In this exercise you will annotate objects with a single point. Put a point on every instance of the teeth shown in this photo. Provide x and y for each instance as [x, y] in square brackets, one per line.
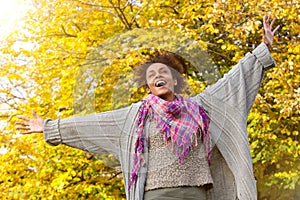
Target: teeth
[160, 83]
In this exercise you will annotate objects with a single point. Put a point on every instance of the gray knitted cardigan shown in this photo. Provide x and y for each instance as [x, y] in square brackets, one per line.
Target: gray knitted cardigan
[227, 102]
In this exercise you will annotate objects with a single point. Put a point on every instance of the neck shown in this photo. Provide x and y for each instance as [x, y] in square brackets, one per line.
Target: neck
[168, 97]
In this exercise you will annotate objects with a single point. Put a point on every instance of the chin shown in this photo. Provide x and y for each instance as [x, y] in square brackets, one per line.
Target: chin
[164, 93]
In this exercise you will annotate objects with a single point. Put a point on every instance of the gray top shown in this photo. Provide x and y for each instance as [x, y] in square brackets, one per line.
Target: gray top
[164, 170]
[227, 102]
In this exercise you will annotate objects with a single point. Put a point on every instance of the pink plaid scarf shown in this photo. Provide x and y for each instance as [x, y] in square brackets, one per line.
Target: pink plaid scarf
[181, 121]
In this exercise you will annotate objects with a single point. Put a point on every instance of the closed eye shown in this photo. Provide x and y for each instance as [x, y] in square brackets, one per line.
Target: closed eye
[163, 70]
[150, 75]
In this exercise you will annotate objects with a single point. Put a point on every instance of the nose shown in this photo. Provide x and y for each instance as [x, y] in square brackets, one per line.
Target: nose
[158, 76]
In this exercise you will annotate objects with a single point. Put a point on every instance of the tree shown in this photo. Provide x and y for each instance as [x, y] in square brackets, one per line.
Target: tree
[61, 36]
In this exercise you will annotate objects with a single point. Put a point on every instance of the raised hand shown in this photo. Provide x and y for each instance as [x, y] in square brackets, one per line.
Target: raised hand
[31, 125]
[268, 33]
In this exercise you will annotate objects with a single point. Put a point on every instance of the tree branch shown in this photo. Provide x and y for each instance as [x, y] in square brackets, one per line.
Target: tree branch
[65, 32]
[121, 15]
[133, 20]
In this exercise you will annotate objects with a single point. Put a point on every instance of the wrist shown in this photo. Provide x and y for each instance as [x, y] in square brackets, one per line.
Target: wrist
[268, 45]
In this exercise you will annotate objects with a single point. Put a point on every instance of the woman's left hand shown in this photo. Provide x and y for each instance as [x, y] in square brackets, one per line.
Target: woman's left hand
[268, 34]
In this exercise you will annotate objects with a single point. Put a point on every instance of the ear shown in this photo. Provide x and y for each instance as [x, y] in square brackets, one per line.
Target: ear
[148, 90]
[175, 82]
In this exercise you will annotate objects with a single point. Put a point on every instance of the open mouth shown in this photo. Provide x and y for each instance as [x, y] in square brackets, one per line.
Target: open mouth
[160, 83]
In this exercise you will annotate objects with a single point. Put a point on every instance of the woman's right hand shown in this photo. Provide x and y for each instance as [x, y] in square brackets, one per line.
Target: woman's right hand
[31, 125]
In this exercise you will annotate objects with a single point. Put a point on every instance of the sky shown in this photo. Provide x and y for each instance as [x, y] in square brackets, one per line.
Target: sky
[11, 13]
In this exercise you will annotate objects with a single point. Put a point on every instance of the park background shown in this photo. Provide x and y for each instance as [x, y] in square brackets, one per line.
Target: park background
[43, 51]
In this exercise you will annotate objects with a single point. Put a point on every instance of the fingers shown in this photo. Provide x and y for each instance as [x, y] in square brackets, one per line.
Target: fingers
[30, 125]
[276, 29]
[266, 21]
[22, 123]
[269, 17]
[265, 24]
[24, 118]
[22, 128]
[25, 133]
[268, 25]
[272, 23]
[27, 118]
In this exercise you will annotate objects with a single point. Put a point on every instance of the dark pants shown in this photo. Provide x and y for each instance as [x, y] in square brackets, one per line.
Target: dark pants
[178, 193]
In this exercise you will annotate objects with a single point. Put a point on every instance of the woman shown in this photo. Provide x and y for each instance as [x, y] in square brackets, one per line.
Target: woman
[164, 142]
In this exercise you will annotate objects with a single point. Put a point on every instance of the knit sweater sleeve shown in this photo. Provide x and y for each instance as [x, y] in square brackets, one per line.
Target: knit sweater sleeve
[239, 87]
[96, 133]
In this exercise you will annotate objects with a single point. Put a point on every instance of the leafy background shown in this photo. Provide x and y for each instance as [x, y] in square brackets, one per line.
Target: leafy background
[41, 59]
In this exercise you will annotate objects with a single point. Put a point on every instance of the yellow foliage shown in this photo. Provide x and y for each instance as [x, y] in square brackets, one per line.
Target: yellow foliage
[62, 35]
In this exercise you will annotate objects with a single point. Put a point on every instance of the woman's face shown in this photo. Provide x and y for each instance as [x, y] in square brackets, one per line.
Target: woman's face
[160, 81]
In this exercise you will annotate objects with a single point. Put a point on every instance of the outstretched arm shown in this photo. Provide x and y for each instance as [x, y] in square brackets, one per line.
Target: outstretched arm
[97, 133]
[239, 87]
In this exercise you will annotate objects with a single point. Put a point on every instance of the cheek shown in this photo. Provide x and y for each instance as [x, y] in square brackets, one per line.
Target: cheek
[150, 83]
[150, 86]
